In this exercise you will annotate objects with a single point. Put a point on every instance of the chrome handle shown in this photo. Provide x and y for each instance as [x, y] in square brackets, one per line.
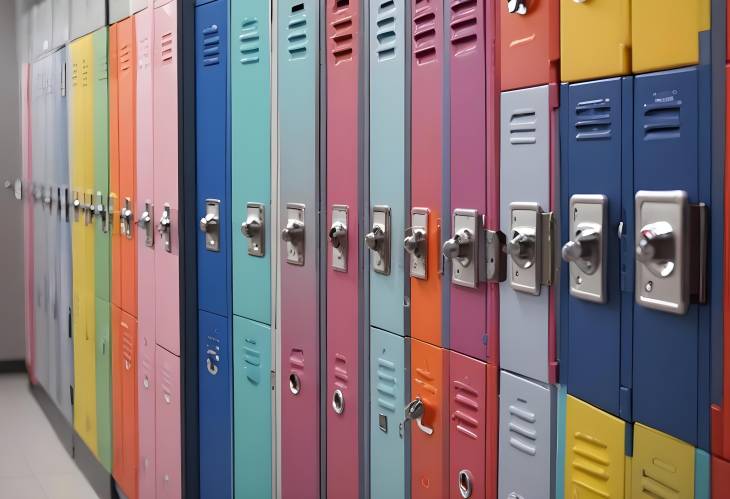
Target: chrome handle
[374, 239]
[584, 250]
[337, 234]
[293, 232]
[457, 246]
[251, 227]
[656, 248]
[208, 223]
[517, 7]
[415, 242]
[522, 248]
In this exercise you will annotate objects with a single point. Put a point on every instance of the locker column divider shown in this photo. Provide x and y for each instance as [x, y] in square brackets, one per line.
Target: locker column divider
[276, 247]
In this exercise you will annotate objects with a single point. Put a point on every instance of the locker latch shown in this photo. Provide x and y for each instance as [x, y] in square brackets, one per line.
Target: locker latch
[496, 262]
[338, 401]
[88, 208]
[76, 205]
[338, 238]
[47, 197]
[517, 7]
[464, 249]
[378, 240]
[100, 210]
[253, 228]
[293, 234]
[415, 411]
[671, 251]
[145, 223]
[465, 481]
[586, 250]
[211, 361]
[529, 245]
[210, 225]
[416, 243]
[125, 216]
[164, 228]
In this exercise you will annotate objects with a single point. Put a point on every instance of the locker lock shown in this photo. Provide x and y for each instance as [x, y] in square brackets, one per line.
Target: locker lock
[338, 401]
[145, 222]
[464, 248]
[459, 246]
[253, 228]
[212, 361]
[530, 247]
[657, 248]
[415, 411]
[164, 227]
[125, 216]
[466, 483]
[378, 240]
[586, 251]
[338, 237]
[102, 212]
[295, 384]
[522, 246]
[517, 7]
[338, 234]
[416, 242]
[294, 231]
[210, 226]
[293, 234]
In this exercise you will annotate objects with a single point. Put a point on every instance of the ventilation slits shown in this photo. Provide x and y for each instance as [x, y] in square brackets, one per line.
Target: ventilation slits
[522, 127]
[424, 34]
[102, 68]
[125, 58]
[127, 347]
[385, 33]
[464, 30]
[252, 361]
[342, 38]
[211, 45]
[297, 36]
[84, 73]
[522, 433]
[591, 464]
[250, 41]
[426, 381]
[166, 47]
[340, 371]
[593, 120]
[74, 74]
[143, 53]
[662, 120]
[466, 412]
[386, 385]
[652, 485]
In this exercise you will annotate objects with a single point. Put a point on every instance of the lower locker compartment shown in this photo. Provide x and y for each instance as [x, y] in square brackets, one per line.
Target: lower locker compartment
[430, 435]
[214, 368]
[527, 438]
[168, 456]
[252, 431]
[388, 434]
[662, 466]
[720, 478]
[85, 407]
[146, 397]
[103, 383]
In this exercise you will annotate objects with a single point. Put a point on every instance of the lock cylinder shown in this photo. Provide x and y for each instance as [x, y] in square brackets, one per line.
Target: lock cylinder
[586, 250]
[338, 401]
[657, 248]
[517, 7]
[338, 234]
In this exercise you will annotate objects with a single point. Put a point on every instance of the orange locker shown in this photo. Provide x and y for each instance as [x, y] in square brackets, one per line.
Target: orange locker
[529, 43]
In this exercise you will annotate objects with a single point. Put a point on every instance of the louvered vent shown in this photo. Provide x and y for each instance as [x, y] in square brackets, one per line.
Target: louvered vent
[593, 120]
[143, 54]
[342, 27]
[591, 470]
[166, 47]
[297, 36]
[466, 410]
[252, 361]
[522, 127]
[660, 480]
[424, 32]
[102, 68]
[74, 74]
[250, 41]
[211, 45]
[127, 347]
[341, 376]
[386, 385]
[426, 381]
[522, 433]
[464, 32]
[661, 120]
[84, 73]
[125, 58]
[386, 35]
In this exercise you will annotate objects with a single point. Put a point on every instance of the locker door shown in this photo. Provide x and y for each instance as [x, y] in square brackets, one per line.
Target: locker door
[661, 465]
[595, 39]
[530, 43]
[118, 465]
[128, 336]
[527, 322]
[127, 74]
[427, 150]
[86, 16]
[389, 436]
[430, 435]
[721, 373]
[60, 22]
[145, 254]
[389, 163]
[671, 351]
[167, 425]
[251, 159]
[104, 382]
[252, 407]
[299, 174]
[167, 278]
[668, 34]
[526, 437]
[468, 328]
[595, 452]
[597, 123]
[468, 401]
[115, 210]
[216, 438]
[344, 334]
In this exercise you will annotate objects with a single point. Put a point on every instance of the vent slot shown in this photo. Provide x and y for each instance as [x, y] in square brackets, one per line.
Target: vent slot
[342, 37]
[653, 486]
[250, 41]
[297, 36]
[74, 74]
[593, 120]
[127, 346]
[340, 371]
[464, 29]
[426, 381]
[166, 47]
[341, 4]
[143, 53]
[252, 361]
[522, 127]
[591, 464]
[466, 414]
[522, 433]
[125, 58]
[662, 121]
[385, 33]
[102, 68]
[386, 385]
[211, 45]
[424, 35]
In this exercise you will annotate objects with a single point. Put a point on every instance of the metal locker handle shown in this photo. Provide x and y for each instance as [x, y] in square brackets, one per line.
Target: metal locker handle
[415, 411]
[522, 247]
[251, 227]
[293, 232]
[338, 401]
[466, 483]
[517, 7]
[458, 246]
[337, 234]
[657, 248]
[584, 250]
[415, 243]
[208, 223]
[295, 384]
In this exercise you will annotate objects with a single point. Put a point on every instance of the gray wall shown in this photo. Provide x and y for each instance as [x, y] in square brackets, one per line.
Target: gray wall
[12, 339]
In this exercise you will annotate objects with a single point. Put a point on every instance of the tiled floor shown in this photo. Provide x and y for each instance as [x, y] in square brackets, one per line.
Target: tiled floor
[33, 463]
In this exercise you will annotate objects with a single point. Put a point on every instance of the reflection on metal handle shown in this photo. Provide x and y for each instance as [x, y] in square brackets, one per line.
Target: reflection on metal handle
[584, 250]
[517, 7]
[415, 241]
[338, 402]
[522, 248]
[293, 231]
[208, 223]
[251, 227]
[337, 234]
[656, 248]
[374, 239]
[295, 384]
[466, 481]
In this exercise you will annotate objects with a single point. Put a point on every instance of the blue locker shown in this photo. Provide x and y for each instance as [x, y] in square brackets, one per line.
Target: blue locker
[389, 437]
[672, 351]
[214, 265]
[597, 154]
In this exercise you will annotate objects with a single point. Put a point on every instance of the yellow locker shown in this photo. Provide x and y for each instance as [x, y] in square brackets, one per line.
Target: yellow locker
[665, 33]
[662, 466]
[595, 39]
[595, 453]
[80, 162]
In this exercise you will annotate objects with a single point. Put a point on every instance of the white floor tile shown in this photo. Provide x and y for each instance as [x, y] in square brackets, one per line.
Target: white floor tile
[22, 488]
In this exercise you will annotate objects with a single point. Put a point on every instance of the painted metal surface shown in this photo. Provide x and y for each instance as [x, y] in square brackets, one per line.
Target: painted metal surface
[595, 39]
[721, 416]
[41, 25]
[167, 425]
[430, 478]
[526, 437]
[389, 436]
[389, 157]
[667, 35]
[298, 103]
[597, 129]
[661, 465]
[26, 158]
[252, 406]
[86, 16]
[671, 352]
[60, 22]
[427, 159]
[528, 147]
[530, 43]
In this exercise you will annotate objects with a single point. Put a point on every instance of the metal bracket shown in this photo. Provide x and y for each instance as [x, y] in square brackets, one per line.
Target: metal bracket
[585, 252]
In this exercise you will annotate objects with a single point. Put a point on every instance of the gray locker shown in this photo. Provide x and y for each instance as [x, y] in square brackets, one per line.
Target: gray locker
[526, 346]
[60, 22]
[86, 16]
[41, 28]
[527, 438]
[119, 9]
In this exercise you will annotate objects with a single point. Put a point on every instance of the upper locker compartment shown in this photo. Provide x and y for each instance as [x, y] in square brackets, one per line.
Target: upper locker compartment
[41, 25]
[530, 44]
[60, 22]
[595, 39]
[667, 33]
[86, 16]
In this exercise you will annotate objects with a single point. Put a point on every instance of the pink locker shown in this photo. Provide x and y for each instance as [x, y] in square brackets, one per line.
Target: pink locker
[167, 285]
[167, 426]
[145, 258]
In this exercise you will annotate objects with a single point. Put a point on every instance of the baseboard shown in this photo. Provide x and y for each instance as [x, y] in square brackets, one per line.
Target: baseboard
[12, 366]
